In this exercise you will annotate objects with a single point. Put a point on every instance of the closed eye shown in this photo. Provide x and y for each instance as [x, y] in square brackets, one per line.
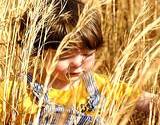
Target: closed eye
[71, 54]
[89, 53]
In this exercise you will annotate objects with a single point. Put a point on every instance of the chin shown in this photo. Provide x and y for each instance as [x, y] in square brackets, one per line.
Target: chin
[75, 78]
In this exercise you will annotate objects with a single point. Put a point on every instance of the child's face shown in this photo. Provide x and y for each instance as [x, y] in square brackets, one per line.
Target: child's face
[73, 63]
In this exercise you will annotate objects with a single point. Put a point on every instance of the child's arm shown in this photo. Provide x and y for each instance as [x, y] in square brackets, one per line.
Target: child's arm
[143, 103]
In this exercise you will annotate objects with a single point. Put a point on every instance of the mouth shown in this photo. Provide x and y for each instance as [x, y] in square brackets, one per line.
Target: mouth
[74, 74]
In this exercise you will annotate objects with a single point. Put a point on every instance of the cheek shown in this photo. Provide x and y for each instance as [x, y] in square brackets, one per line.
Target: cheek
[61, 67]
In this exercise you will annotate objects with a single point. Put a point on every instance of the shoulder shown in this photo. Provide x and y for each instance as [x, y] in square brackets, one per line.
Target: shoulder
[7, 87]
[101, 78]
[11, 85]
[102, 81]
[120, 89]
[10, 90]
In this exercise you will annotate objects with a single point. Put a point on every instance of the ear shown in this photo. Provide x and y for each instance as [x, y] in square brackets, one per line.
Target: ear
[48, 57]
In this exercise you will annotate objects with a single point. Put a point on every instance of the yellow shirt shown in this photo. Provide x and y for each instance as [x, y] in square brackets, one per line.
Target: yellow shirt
[77, 95]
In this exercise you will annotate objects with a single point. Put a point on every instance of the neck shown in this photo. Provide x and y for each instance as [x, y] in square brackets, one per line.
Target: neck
[53, 83]
[59, 84]
[56, 83]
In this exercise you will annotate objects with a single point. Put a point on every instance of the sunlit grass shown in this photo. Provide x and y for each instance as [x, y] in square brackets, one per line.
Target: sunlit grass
[130, 54]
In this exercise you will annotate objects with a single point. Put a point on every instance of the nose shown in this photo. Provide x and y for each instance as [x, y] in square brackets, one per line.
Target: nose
[76, 61]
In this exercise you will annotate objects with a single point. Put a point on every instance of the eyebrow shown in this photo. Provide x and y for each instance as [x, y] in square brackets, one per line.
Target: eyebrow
[69, 53]
[51, 44]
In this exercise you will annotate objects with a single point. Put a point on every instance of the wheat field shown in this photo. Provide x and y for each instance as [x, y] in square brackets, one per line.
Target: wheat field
[130, 54]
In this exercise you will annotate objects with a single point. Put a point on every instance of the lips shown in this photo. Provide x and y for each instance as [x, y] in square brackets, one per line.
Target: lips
[74, 74]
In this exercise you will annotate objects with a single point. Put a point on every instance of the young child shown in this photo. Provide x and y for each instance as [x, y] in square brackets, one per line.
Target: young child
[73, 92]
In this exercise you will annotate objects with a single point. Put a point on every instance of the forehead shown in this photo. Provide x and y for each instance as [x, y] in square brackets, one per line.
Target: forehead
[67, 53]
[77, 50]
